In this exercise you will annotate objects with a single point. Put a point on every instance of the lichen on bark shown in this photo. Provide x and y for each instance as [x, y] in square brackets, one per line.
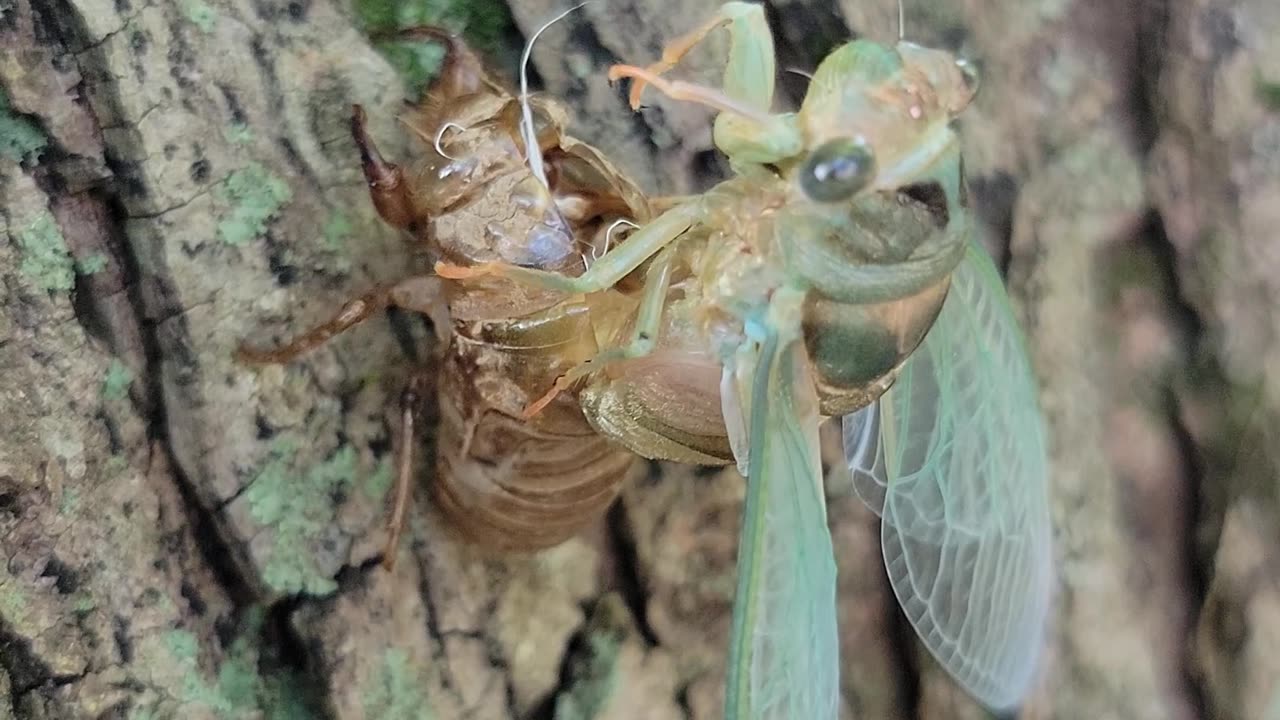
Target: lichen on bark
[187, 537]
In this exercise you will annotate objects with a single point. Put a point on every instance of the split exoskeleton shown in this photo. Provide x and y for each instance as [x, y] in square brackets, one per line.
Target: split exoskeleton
[504, 481]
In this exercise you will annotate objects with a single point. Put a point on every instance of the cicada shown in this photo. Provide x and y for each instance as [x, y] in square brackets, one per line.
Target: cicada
[812, 307]
[498, 179]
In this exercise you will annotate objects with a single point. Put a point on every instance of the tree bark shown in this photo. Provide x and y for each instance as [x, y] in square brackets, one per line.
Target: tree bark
[185, 537]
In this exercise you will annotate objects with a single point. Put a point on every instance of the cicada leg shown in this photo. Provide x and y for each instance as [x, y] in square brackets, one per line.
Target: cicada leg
[391, 195]
[605, 272]
[749, 75]
[745, 129]
[410, 402]
[644, 336]
[419, 294]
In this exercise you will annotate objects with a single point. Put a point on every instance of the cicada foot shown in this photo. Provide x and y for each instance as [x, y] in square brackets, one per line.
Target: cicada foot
[674, 51]
[686, 92]
[390, 193]
[450, 271]
[410, 405]
[528, 276]
[562, 383]
[418, 294]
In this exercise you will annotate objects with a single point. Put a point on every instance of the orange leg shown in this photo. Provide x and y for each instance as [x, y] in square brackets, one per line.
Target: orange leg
[673, 52]
[410, 402]
[688, 92]
[420, 294]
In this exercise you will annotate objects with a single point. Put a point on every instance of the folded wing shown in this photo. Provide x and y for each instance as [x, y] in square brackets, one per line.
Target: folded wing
[784, 656]
[953, 459]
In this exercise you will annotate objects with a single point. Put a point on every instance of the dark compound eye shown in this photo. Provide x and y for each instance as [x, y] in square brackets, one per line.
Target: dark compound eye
[970, 74]
[837, 170]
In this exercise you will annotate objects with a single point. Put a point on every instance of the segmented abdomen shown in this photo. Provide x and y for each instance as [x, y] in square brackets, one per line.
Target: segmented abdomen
[505, 482]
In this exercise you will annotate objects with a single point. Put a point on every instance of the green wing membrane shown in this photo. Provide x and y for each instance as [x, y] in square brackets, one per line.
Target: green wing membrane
[784, 658]
[953, 459]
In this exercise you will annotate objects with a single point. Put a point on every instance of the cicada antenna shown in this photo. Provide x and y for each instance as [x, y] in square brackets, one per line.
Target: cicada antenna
[526, 113]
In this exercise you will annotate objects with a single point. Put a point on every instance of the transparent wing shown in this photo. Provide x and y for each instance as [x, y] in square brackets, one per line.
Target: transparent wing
[784, 659]
[959, 477]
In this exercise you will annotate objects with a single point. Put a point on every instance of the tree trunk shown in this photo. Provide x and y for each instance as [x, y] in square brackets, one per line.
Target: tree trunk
[185, 537]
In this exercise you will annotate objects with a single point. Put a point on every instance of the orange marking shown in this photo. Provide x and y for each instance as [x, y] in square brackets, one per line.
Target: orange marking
[450, 271]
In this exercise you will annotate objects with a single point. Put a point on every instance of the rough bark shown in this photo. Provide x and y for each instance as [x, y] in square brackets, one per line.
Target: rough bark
[184, 537]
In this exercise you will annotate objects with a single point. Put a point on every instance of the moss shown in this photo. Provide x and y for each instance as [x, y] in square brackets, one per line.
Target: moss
[238, 134]
[45, 258]
[1268, 93]
[200, 15]
[395, 694]
[299, 508]
[337, 229]
[255, 196]
[242, 688]
[115, 386]
[595, 679]
[69, 503]
[593, 669]
[14, 607]
[91, 265]
[376, 486]
[21, 139]
[484, 23]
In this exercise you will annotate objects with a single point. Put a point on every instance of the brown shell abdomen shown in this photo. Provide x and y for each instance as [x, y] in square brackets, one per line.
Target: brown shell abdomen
[507, 483]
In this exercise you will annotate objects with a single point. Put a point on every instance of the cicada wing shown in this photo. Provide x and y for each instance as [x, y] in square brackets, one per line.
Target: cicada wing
[784, 659]
[962, 470]
[865, 454]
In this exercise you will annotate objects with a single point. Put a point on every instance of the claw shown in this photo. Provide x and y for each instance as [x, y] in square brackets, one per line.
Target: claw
[450, 271]
[562, 383]
[683, 91]
[387, 188]
[640, 79]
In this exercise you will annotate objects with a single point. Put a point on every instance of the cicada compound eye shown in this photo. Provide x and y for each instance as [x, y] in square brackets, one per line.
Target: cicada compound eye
[837, 170]
[969, 73]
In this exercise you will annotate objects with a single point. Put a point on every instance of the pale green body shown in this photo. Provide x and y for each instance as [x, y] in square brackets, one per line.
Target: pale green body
[952, 456]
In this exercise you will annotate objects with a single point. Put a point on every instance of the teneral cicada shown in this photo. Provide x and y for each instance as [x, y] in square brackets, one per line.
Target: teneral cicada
[819, 293]
[506, 482]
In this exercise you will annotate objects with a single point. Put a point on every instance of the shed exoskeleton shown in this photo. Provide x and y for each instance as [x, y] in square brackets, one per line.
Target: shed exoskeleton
[471, 196]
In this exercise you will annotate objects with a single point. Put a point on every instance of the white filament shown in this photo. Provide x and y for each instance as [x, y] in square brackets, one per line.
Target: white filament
[526, 119]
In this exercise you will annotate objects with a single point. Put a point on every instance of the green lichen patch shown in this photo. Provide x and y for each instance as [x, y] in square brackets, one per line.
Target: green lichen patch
[45, 258]
[243, 685]
[91, 264]
[299, 507]
[484, 23]
[115, 385]
[1268, 94]
[200, 15]
[395, 693]
[337, 229]
[21, 139]
[593, 669]
[377, 485]
[238, 134]
[255, 196]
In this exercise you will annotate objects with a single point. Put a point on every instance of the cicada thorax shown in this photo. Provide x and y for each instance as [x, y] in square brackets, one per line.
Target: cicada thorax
[506, 482]
[857, 348]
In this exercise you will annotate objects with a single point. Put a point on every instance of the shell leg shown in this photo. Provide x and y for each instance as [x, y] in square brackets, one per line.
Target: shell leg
[643, 338]
[390, 193]
[422, 294]
[410, 405]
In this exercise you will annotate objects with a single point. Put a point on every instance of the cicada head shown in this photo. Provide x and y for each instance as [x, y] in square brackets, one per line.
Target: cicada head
[879, 117]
